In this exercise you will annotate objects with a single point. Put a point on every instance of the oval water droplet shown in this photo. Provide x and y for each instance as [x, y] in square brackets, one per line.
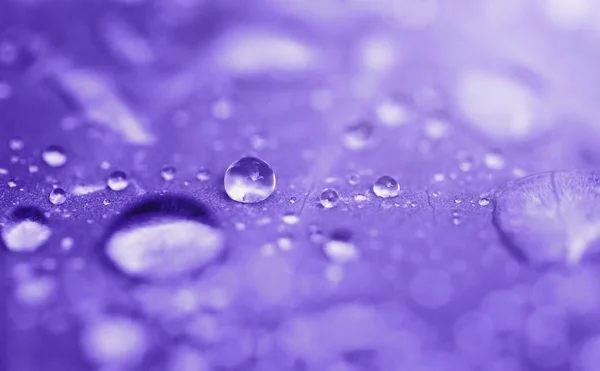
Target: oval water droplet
[329, 198]
[551, 218]
[16, 144]
[290, 218]
[164, 238]
[203, 175]
[117, 181]
[340, 249]
[58, 196]
[168, 173]
[249, 180]
[358, 136]
[386, 187]
[54, 156]
[26, 230]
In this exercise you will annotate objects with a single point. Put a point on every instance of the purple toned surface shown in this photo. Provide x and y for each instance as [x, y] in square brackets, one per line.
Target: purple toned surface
[454, 101]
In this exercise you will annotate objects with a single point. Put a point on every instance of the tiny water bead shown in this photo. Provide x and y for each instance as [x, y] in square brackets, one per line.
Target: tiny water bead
[203, 175]
[386, 187]
[54, 156]
[551, 218]
[117, 181]
[16, 144]
[58, 196]
[249, 180]
[329, 198]
[164, 238]
[168, 173]
[357, 136]
[26, 230]
[290, 218]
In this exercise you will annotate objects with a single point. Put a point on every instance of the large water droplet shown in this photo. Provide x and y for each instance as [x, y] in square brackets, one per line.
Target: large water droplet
[58, 196]
[164, 238]
[26, 230]
[329, 198]
[54, 156]
[117, 181]
[249, 180]
[358, 136]
[551, 218]
[386, 187]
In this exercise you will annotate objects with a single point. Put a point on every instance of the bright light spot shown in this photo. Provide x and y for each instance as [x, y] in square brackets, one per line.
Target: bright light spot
[571, 14]
[114, 340]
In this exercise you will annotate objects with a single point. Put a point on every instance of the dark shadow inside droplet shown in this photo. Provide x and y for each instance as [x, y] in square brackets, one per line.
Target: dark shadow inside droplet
[28, 213]
[341, 234]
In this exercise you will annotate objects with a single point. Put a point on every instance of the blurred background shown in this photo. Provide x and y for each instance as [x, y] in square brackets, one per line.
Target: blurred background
[122, 251]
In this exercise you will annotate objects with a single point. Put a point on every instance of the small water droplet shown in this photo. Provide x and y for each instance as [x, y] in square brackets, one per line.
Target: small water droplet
[483, 202]
[12, 183]
[54, 156]
[106, 202]
[168, 173]
[105, 165]
[494, 161]
[391, 112]
[339, 249]
[386, 187]
[67, 243]
[329, 198]
[458, 201]
[3, 171]
[358, 136]
[117, 181]
[293, 199]
[249, 180]
[16, 144]
[360, 197]
[26, 230]
[353, 179]
[164, 238]
[436, 128]
[33, 169]
[290, 218]
[58, 196]
[285, 243]
[203, 175]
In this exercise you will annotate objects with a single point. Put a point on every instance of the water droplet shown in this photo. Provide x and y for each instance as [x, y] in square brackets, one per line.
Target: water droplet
[58, 196]
[168, 173]
[26, 231]
[339, 249]
[3, 171]
[360, 197]
[105, 165]
[164, 238]
[386, 187]
[329, 198]
[285, 243]
[293, 199]
[54, 156]
[353, 179]
[290, 218]
[358, 136]
[249, 180]
[203, 175]
[16, 144]
[106, 202]
[484, 202]
[117, 181]
[67, 243]
[12, 183]
[551, 218]
[392, 113]
[436, 128]
[33, 169]
[494, 161]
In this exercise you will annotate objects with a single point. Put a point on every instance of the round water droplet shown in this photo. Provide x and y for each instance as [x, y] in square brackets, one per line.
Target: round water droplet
[483, 202]
[117, 181]
[26, 230]
[16, 144]
[358, 136]
[551, 218]
[392, 112]
[168, 173]
[494, 161]
[353, 179]
[339, 249]
[203, 175]
[329, 198]
[290, 218]
[58, 196]
[12, 183]
[54, 156]
[249, 180]
[386, 187]
[164, 238]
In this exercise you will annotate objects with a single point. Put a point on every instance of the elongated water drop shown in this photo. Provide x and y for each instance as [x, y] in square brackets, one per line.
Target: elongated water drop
[249, 180]
[26, 230]
[164, 238]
